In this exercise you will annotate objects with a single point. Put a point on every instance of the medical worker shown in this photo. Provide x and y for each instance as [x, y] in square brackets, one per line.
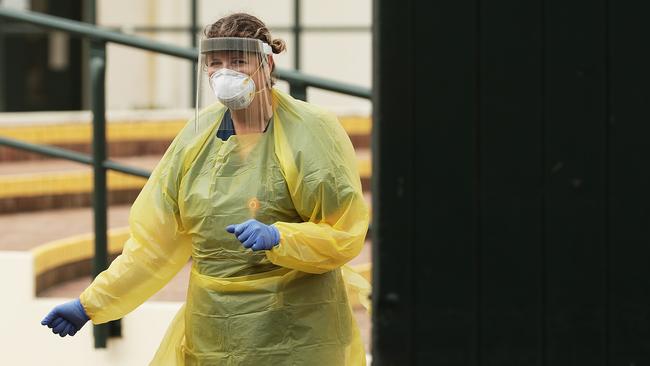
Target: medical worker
[261, 191]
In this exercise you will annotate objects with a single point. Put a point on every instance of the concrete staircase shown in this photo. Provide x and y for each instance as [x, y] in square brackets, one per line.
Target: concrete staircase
[31, 182]
[45, 203]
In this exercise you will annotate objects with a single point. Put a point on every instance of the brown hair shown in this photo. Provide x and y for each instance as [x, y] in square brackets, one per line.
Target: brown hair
[244, 25]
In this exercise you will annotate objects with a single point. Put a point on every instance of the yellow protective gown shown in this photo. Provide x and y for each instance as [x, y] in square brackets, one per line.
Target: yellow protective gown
[285, 306]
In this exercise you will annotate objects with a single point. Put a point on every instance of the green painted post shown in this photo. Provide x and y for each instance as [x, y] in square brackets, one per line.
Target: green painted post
[89, 15]
[297, 29]
[100, 260]
[2, 67]
[194, 13]
[90, 12]
[298, 90]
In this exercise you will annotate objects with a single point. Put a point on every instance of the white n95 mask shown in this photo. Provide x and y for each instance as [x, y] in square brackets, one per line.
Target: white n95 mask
[233, 89]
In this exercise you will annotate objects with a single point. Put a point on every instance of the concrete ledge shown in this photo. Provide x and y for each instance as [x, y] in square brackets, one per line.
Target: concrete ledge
[142, 329]
[116, 149]
[56, 183]
[74, 249]
[65, 131]
[69, 258]
[22, 204]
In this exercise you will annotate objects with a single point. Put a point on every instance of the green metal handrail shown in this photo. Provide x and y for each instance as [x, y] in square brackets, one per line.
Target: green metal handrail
[103, 35]
[98, 37]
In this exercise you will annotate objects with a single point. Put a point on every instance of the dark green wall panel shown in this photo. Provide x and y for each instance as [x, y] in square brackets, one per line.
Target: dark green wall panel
[511, 185]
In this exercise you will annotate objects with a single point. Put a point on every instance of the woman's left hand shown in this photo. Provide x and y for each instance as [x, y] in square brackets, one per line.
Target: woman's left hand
[255, 235]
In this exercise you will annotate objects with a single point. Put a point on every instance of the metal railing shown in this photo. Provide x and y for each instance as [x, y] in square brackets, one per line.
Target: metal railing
[98, 39]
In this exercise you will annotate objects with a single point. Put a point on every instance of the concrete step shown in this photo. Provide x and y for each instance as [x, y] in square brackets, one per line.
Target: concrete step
[38, 167]
[129, 133]
[26, 231]
[52, 184]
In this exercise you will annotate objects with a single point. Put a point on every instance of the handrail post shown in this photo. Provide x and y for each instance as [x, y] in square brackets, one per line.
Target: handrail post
[298, 90]
[100, 260]
[194, 13]
[89, 16]
[297, 30]
[2, 67]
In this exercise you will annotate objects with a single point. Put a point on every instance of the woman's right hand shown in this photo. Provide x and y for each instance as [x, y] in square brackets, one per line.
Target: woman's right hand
[66, 319]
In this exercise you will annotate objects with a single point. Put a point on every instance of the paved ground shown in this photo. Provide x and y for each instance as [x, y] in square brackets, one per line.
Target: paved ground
[25, 231]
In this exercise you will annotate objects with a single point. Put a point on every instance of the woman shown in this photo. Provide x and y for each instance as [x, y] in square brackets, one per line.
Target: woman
[262, 192]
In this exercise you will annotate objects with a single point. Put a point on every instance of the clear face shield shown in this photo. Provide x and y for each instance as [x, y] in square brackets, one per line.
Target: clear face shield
[235, 72]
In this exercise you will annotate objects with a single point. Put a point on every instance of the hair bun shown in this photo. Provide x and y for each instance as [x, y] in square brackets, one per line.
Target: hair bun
[278, 45]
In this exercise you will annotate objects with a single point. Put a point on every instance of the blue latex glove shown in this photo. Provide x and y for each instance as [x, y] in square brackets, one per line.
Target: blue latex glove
[66, 319]
[255, 235]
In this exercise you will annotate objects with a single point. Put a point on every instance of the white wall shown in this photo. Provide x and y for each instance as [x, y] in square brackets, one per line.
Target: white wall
[345, 57]
[137, 79]
[24, 341]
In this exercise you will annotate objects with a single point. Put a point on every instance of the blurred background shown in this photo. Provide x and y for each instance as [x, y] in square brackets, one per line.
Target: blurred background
[49, 95]
[44, 69]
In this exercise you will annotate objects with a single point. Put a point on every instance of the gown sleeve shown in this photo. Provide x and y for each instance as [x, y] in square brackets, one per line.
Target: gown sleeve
[158, 246]
[319, 165]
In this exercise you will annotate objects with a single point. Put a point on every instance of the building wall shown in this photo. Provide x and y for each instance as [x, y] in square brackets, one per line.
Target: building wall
[27, 342]
[138, 79]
